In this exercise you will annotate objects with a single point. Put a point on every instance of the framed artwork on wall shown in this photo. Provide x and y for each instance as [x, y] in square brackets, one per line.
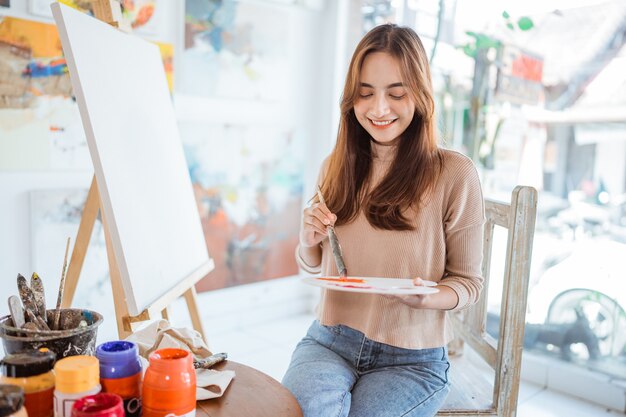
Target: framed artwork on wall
[248, 183]
[245, 155]
[236, 50]
[54, 216]
[40, 126]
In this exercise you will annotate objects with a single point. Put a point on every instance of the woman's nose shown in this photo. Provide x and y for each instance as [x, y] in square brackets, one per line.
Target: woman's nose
[381, 106]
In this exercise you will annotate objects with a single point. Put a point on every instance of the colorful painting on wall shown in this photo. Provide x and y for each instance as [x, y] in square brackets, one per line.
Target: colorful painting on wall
[249, 202]
[167, 54]
[55, 216]
[235, 49]
[140, 14]
[40, 125]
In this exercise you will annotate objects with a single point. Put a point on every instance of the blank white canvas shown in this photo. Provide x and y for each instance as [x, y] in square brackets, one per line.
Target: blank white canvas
[133, 139]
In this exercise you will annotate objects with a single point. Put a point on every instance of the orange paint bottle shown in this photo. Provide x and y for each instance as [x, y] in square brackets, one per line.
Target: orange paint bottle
[169, 385]
[32, 371]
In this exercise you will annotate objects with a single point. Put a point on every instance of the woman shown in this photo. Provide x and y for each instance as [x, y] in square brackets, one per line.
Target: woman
[401, 207]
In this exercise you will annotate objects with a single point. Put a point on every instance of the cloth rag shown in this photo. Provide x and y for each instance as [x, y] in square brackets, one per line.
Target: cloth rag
[160, 334]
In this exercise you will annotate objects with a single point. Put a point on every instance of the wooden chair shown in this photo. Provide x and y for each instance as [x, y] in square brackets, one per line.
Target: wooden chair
[473, 394]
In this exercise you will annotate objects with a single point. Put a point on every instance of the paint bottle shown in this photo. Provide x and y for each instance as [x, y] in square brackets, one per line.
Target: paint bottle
[33, 372]
[76, 377]
[120, 373]
[99, 405]
[12, 401]
[169, 385]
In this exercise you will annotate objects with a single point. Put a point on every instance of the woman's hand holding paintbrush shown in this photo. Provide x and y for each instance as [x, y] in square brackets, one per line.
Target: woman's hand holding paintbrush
[315, 219]
[317, 223]
[334, 241]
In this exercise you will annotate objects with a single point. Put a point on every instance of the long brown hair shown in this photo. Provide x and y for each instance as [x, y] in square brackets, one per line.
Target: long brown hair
[418, 160]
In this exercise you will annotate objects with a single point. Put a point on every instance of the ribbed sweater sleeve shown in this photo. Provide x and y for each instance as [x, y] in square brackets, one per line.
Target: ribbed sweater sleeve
[463, 224]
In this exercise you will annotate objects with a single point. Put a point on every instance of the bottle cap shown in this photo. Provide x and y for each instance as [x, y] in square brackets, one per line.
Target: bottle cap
[118, 359]
[99, 405]
[25, 364]
[76, 374]
[11, 399]
[171, 360]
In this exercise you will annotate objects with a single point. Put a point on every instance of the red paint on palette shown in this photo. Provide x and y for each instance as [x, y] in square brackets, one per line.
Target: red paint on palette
[352, 286]
[355, 280]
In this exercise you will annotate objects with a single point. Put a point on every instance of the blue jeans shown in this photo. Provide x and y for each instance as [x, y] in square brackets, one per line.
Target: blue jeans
[336, 371]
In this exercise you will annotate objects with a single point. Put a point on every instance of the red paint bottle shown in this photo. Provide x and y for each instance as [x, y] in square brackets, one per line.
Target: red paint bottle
[99, 405]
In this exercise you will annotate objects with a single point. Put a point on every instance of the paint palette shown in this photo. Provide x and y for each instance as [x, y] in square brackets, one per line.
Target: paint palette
[373, 285]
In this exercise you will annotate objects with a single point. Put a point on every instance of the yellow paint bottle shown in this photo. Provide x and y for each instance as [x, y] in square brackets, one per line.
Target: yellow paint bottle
[76, 377]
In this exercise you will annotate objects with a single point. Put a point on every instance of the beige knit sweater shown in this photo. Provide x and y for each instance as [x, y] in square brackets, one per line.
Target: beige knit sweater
[446, 246]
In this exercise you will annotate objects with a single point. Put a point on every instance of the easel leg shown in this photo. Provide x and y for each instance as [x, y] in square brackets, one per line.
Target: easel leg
[124, 321]
[191, 297]
[90, 213]
[116, 283]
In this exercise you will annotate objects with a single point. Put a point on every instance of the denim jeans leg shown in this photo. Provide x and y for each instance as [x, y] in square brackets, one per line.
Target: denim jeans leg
[320, 379]
[409, 390]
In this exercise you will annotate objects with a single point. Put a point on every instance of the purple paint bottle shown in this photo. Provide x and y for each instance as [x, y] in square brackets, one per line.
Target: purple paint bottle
[120, 373]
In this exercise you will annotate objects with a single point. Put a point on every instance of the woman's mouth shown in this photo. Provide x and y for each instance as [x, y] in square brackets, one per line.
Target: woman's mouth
[381, 124]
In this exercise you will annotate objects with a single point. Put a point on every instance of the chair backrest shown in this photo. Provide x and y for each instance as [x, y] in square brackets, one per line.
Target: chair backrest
[504, 356]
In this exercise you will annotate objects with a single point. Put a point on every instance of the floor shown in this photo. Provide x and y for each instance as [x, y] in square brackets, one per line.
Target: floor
[268, 348]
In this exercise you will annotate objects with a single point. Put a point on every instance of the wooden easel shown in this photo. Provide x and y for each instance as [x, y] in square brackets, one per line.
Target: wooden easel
[124, 320]
[108, 11]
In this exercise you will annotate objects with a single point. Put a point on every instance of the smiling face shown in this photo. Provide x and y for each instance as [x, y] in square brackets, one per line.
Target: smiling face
[383, 106]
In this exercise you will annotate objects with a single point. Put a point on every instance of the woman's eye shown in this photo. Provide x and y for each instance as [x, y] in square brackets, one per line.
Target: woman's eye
[365, 95]
[397, 97]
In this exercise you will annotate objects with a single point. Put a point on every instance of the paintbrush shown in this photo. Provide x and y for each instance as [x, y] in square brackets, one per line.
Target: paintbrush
[206, 363]
[35, 319]
[17, 311]
[36, 285]
[26, 294]
[334, 243]
[57, 311]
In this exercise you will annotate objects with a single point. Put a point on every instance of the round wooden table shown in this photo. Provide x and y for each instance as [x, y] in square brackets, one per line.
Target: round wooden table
[250, 394]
